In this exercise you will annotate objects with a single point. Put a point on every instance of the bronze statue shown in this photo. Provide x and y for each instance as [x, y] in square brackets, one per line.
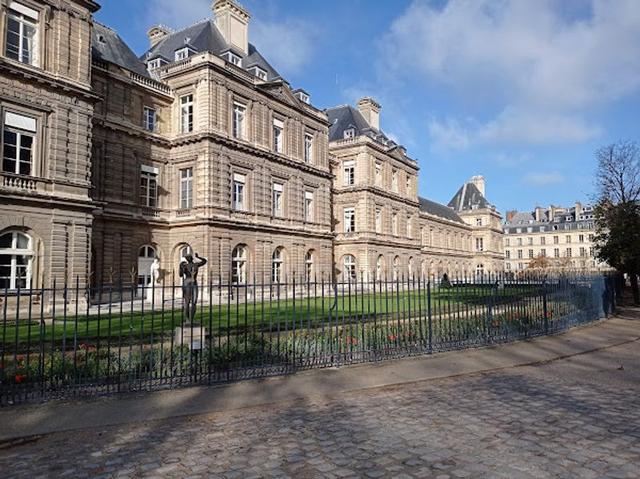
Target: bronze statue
[189, 275]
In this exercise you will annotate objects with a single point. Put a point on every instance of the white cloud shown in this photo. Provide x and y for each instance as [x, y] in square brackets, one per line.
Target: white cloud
[287, 44]
[543, 179]
[511, 127]
[538, 69]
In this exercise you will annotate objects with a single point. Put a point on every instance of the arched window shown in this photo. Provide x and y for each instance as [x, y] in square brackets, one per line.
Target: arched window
[308, 265]
[16, 258]
[239, 265]
[277, 260]
[350, 268]
[379, 267]
[480, 270]
[185, 250]
[396, 268]
[146, 255]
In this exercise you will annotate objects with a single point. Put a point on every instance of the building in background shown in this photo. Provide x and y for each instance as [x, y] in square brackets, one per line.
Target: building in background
[485, 222]
[564, 236]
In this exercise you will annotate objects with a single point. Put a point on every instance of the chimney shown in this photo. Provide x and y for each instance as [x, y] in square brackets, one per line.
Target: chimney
[510, 215]
[539, 213]
[578, 210]
[157, 33]
[370, 110]
[479, 182]
[232, 20]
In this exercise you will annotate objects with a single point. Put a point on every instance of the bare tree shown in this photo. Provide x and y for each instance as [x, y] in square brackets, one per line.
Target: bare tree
[618, 174]
[617, 211]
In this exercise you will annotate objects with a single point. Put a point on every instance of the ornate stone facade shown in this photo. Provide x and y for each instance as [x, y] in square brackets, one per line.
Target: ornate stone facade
[46, 105]
[197, 146]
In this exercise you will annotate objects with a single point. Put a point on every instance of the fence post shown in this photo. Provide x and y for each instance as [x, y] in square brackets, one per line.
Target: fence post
[429, 320]
[544, 306]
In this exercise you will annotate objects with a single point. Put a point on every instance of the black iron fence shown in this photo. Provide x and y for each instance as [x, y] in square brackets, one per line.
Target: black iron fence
[68, 341]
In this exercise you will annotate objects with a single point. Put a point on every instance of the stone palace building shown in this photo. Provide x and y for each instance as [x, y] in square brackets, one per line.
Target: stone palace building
[110, 159]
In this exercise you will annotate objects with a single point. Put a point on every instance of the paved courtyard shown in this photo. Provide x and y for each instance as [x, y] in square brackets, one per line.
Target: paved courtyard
[578, 418]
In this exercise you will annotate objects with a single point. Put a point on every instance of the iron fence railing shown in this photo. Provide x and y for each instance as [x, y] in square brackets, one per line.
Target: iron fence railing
[68, 341]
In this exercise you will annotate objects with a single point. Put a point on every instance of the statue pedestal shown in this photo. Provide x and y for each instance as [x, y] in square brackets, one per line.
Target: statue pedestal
[192, 336]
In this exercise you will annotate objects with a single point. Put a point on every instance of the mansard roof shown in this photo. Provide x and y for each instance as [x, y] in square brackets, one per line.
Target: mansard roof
[344, 117]
[437, 209]
[107, 46]
[205, 37]
[469, 197]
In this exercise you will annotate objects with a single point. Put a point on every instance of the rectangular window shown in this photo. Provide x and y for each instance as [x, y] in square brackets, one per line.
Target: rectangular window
[149, 187]
[408, 185]
[186, 188]
[478, 221]
[591, 238]
[308, 148]
[394, 224]
[583, 252]
[186, 113]
[378, 177]
[507, 242]
[530, 254]
[349, 220]
[507, 254]
[278, 126]
[519, 241]
[556, 240]
[234, 59]
[181, 54]
[543, 253]
[309, 206]
[378, 220]
[519, 254]
[581, 238]
[19, 134]
[349, 169]
[568, 238]
[568, 253]
[278, 189]
[530, 240]
[556, 252]
[239, 114]
[239, 182]
[149, 118]
[409, 227]
[479, 244]
[21, 33]
[394, 180]
[543, 240]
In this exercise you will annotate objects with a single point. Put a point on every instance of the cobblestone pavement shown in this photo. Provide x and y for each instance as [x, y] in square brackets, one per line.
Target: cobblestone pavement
[577, 418]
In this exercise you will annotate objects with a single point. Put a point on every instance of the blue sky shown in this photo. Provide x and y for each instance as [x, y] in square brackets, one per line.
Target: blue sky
[522, 92]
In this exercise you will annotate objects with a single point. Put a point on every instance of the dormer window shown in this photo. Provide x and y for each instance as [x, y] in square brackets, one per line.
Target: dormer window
[260, 73]
[303, 97]
[155, 64]
[182, 54]
[349, 133]
[233, 58]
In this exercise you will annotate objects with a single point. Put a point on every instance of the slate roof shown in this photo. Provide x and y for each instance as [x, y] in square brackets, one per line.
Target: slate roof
[344, 117]
[107, 46]
[564, 219]
[468, 197]
[205, 37]
[437, 209]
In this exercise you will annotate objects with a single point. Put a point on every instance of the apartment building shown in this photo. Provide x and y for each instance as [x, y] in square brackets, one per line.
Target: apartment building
[564, 235]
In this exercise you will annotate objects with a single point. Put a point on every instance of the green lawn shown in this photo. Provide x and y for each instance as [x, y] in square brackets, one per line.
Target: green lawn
[252, 315]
